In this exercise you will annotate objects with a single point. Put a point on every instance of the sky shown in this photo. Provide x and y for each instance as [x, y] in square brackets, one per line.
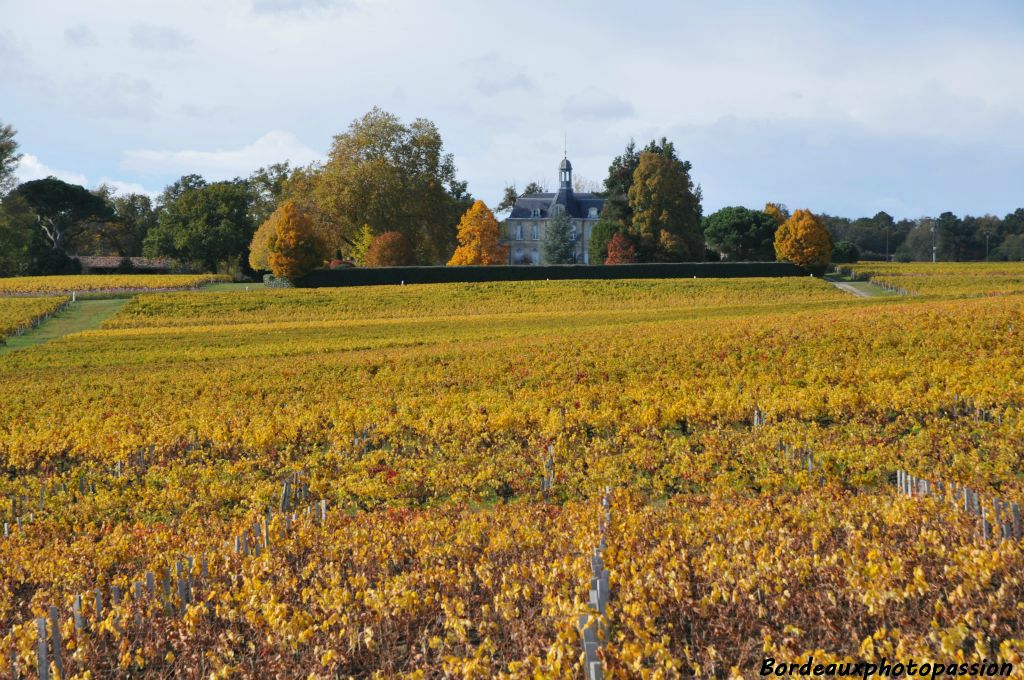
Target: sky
[841, 107]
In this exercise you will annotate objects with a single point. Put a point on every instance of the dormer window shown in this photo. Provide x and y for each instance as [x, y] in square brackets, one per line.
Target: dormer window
[535, 212]
[592, 213]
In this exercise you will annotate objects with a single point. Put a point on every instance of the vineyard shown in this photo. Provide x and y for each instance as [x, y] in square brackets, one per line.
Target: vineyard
[19, 314]
[628, 479]
[61, 285]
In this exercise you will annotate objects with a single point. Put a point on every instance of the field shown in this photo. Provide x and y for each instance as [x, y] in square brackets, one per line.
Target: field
[407, 481]
[107, 283]
[19, 314]
[947, 278]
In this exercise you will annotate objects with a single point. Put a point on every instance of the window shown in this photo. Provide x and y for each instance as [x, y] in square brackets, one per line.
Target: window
[535, 212]
[572, 233]
[519, 232]
[536, 232]
[592, 213]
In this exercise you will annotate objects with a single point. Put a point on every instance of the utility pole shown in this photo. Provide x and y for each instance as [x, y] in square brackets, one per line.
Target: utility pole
[933, 243]
[987, 234]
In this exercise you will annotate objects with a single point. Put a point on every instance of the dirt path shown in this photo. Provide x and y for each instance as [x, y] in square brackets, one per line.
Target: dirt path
[83, 315]
[858, 288]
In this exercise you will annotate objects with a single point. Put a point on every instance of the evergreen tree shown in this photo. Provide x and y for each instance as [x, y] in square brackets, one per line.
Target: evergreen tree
[559, 247]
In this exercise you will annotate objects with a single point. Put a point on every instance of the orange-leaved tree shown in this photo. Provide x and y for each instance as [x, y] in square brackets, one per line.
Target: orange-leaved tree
[804, 240]
[295, 247]
[390, 249]
[778, 211]
[621, 250]
[479, 236]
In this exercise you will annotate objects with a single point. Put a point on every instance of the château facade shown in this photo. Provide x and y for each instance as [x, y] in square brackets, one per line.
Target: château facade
[531, 215]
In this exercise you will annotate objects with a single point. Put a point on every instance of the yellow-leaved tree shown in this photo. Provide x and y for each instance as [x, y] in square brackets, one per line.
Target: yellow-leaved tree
[779, 212]
[295, 247]
[479, 236]
[804, 240]
[259, 247]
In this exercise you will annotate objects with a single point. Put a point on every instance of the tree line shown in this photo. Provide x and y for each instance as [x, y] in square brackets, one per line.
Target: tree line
[388, 194]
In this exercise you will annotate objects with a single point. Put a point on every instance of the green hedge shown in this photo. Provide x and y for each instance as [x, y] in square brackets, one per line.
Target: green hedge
[375, 276]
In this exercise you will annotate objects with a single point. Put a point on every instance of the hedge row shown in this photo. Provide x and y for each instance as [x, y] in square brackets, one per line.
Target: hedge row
[375, 276]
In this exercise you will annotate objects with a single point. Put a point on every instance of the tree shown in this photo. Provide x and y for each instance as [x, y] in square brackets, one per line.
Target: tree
[266, 189]
[508, 199]
[778, 211]
[666, 210]
[559, 246]
[617, 184]
[390, 249]
[205, 224]
[741, 234]
[479, 236]
[393, 177]
[63, 211]
[1012, 248]
[845, 252]
[295, 247]
[362, 244]
[17, 229]
[125, 233]
[601, 235]
[804, 241]
[9, 158]
[620, 250]
[259, 247]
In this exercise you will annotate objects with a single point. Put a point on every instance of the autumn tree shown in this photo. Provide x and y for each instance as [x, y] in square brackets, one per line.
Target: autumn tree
[621, 250]
[617, 208]
[740, 233]
[390, 249]
[666, 210]
[259, 247]
[778, 212]
[391, 176]
[479, 235]
[295, 249]
[803, 240]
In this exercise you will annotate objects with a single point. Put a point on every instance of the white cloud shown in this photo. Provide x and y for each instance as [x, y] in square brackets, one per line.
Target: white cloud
[274, 147]
[31, 168]
[123, 187]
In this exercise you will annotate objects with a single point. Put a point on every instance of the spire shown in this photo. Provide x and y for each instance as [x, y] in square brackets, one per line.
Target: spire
[565, 174]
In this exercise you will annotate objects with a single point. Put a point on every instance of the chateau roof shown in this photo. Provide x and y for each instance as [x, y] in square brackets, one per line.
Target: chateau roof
[575, 204]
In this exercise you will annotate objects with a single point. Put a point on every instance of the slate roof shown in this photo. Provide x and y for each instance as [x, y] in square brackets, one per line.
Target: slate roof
[576, 204]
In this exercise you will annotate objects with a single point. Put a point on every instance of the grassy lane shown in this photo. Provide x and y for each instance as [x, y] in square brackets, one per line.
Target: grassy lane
[83, 315]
